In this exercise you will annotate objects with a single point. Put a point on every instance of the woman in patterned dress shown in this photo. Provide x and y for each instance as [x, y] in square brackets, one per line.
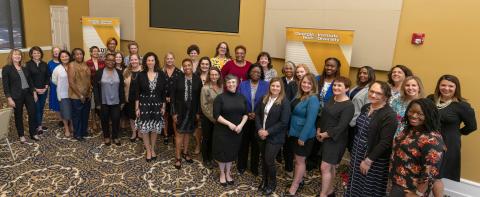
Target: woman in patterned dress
[417, 151]
[222, 55]
[150, 104]
[372, 144]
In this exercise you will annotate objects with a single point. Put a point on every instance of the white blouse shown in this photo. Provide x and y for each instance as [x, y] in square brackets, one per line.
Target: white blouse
[267, 109]
[60, 78]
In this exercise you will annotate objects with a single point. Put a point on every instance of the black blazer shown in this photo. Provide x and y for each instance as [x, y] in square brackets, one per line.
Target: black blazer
[142, 85]
[40, 74]
[178, 94]
[12, 84]
[97, 87]
[277, 121]
[291, 90]
[380, 132]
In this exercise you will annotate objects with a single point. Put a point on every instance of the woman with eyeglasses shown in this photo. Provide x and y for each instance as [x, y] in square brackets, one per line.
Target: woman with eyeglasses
[372, 144]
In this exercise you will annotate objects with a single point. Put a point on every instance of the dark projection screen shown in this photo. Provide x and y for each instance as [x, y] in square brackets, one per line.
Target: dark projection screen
[202, 15]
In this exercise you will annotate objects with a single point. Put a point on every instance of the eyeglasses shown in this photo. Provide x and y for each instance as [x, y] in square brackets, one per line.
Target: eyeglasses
[375, 93]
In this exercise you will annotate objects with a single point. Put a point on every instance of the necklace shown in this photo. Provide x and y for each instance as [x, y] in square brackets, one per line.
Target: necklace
[441, 105]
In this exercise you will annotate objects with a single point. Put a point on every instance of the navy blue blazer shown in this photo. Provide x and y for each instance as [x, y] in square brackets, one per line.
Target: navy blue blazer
[245, 90]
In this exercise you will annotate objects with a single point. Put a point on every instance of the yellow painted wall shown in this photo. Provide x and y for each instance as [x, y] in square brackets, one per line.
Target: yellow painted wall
[161, 41]
[76, 9]
[36, 20]
[451, 46]
[37, 27]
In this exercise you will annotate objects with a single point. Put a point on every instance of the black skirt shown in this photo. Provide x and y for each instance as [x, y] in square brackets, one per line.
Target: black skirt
[304, 150]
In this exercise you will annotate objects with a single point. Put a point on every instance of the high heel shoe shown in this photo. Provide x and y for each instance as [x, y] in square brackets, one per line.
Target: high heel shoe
[35, 138]
[301, 185]
[147, 159]
[287, 193]
[179, 161]
[165, 141]
[185, 155]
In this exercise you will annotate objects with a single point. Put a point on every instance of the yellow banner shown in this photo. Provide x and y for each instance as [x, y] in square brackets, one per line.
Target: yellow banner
[313, 46]
[97, 30]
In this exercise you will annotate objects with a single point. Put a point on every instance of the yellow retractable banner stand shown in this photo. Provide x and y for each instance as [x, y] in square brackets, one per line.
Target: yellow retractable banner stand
[313, 46]
[97, 30]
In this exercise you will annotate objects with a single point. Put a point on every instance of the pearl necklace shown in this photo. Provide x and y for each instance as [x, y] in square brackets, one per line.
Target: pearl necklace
[444, 104]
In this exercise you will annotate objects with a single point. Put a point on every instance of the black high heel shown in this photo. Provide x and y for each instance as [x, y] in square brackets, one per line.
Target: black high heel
[185, 155]
[165, 140]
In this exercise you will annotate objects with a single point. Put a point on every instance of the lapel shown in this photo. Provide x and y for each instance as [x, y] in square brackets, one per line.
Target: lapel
[248, 88]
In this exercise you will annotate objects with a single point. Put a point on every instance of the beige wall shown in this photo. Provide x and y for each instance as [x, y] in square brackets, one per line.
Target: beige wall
[451, 46]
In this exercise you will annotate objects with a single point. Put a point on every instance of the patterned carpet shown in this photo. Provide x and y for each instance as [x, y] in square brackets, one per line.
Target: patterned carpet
[63, 167]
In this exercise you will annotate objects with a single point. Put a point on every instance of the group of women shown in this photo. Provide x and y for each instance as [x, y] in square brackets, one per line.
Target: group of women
[239, 111]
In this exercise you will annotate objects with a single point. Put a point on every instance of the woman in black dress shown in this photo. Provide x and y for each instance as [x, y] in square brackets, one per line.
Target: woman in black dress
[186, 109]
[372, 144]
[171, 73]
[271, 121]
[130, 76]
[230, 112]
[150, 103]
[333, 132]
[454, 110]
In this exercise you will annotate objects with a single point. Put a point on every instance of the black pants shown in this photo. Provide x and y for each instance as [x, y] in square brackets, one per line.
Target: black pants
[269, 171]
[207, 135]
[110, 113]
[248, 140]
[25, 99]
[288, 154]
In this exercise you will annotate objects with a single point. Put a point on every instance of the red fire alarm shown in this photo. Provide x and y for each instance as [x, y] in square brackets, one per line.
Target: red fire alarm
[418, 38]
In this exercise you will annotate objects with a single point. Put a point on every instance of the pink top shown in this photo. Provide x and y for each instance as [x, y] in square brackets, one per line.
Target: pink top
[231, 68]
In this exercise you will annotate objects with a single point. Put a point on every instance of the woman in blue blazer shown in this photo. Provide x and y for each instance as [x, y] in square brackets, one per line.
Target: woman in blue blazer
[302, 132]
[271, 121]
[254, 88]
